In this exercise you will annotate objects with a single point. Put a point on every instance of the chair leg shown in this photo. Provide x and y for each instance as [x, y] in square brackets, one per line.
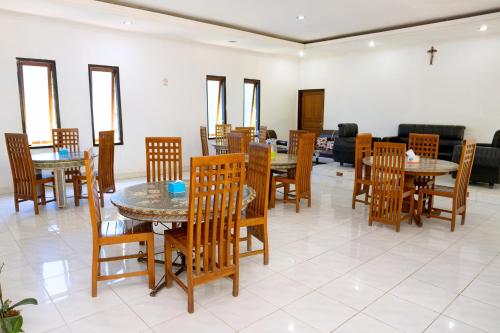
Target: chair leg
[420, 206]
[398, 226]
[151, 262]
[265, 244]
[95, 269]
[16, 204]
[463, 216]
[236, 284]
[101, 198]
[309, 199]
[249, 240]
[367, 194]
[354, 192]
[297, 202]
[412, 207]
[287, 190]
[272, 200]
[168, 263]
[190, 291]
[42, 194]
[76, 193]
[35, 201]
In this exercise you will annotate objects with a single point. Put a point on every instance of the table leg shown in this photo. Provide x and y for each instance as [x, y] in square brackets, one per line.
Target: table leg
[60, 189]
[410, 185]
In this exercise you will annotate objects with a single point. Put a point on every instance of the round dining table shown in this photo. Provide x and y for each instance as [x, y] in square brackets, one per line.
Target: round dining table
[58, 163]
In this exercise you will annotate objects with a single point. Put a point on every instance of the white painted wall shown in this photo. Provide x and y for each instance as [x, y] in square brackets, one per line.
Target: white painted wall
[148, 107]
[381, 88]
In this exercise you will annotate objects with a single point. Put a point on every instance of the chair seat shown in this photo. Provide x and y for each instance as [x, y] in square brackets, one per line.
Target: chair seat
[123, 227]
[281, 179]
[43, 179]
[439, 190]
[250, 218]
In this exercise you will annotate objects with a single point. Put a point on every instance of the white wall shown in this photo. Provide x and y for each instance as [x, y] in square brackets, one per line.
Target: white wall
[148, 107]
[381, 88]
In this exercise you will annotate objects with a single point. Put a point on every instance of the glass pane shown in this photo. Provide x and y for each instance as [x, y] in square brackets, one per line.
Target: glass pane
[250, 105]
[39, 118]
[214, 106]
[104, 104]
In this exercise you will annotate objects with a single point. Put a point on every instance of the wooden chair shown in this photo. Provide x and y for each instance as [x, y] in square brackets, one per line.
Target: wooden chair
[114, 232]
[236, 142]
[362, 173]
[106, 162]
[388, 185]
[255, 219]
[69, 138]
[210, 238]
[204, 140]
[457, 193]
[301, 177]
[27, 184]
[221, 131]
[248, 128]
[262, 134]
[293, 141]
[247, 136]
[163, 158]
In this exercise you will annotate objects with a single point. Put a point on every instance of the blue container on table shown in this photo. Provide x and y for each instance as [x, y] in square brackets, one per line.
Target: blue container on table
[64, 152]
[177, 187]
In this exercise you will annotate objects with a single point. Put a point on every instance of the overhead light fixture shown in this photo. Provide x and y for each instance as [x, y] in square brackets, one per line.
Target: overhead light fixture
[127, 22]
[371, 43]
[301, 53]
[300, 17]
[484, 27]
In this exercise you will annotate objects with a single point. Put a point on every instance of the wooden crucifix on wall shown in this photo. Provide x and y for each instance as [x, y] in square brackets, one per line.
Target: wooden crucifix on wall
[431, 52]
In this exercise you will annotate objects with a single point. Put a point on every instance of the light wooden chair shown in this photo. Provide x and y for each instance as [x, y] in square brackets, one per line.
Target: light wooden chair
[247, 136]
[69, 138]
[114, 232]
[235, 142]
[163, 158]
[301, 178]
[293, 141]
[211, 238]
[204, 140]
[248, 128]
[388, 185]
[262, 134]
[106, 162]
[27, 184]
[255, 219]
[362, 173]
[457, 193]
[221, 131]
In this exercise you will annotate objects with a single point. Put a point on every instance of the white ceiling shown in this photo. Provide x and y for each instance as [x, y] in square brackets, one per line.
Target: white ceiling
[323, 18]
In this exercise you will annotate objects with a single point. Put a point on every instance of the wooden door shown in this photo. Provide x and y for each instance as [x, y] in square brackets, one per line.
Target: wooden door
[311, 110]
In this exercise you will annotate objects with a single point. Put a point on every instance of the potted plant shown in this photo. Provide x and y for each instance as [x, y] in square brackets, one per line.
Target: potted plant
[11, 320]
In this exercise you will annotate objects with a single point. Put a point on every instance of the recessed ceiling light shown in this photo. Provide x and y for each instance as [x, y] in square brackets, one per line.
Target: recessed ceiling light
[127, 22]
[300, 17]
[371, 43]
[233, 41]
[484, 27]
[301, 53]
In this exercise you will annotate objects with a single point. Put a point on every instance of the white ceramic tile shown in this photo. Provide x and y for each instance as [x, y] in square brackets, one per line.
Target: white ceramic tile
[475, 313]
[279, 322]
[350, 292]
[118, 319]
[336, 262]
[201, 321]
[310, 274]
[41, 318]
[362, 323]
[446, 324]
[484, 292]
[278, 290]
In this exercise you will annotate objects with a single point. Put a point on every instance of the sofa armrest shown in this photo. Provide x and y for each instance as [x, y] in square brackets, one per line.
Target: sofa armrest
[390, 139]
[483, 144]
[281, 142]
[485, 156]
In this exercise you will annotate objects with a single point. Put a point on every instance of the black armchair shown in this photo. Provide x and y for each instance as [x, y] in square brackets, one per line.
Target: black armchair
[345, 144]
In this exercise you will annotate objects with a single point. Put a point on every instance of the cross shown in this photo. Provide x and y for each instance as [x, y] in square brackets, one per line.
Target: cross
[431, 52]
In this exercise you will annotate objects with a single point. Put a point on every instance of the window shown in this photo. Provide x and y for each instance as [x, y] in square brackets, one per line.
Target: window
[251, 103]
[38, 96]
[105, 101]
[216, 102]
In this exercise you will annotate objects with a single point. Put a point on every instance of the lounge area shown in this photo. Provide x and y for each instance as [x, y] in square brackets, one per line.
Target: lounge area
[185, 167]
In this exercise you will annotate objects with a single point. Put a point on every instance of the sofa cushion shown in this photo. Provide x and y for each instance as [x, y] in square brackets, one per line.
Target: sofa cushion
[451, 132]
[496, 140]
[321, 143]
[348, 130]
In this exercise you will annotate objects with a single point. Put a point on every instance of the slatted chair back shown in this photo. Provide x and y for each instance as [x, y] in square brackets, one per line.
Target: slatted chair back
[236, 142]
[388, 175]
[293, 141]
[248, 128]
[258, 177]
[304, 163]
[221, 131]
[21, 166]
[163, 158]
[363, 149]
[464, 172]
[262, 134]
[106, 161]
[424, 145]
[204, 140]
[215, 204]
[247, 136]
[93, 192]
[68, 138]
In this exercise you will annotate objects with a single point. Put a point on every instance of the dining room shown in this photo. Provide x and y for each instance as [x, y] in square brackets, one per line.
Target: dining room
[249, 167]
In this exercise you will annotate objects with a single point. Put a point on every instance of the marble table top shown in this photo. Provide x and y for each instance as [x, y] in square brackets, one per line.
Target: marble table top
[56, 160]
[426, 166]
[152, 202]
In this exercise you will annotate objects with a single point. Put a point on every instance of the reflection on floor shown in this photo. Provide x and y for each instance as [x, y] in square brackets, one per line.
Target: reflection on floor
[328, 272]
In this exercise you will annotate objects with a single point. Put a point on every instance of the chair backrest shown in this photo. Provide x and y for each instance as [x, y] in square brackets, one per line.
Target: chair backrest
[464, 172]
[293, 141]
[363, 149]
[221, 131]
[258, 177]
[163, 158]
[304, 162]
[68, 138]
[247, 136]
[215, 204]
[424, 145]
[262, 134]
[93, 192]
[249, 128]
[21, 165]
[106, 161]
[204, 140]
[236, 142]
[388, 176]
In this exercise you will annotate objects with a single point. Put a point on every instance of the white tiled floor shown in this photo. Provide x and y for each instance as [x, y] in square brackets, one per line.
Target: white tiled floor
[329, 271]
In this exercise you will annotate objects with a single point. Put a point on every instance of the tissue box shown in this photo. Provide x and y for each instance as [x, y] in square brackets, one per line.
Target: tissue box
[177, 187]
[64, 152]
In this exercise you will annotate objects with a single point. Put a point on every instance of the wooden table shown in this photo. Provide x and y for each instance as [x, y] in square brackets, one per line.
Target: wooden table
[58, 163]
[425, 167]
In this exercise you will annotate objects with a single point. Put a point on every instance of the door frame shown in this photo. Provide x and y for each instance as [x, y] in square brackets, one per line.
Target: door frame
[299, 113]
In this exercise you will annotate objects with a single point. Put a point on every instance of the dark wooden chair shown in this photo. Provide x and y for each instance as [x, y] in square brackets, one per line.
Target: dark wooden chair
[362, 173]
[114, 232]
[236, 142]
[163, 158]
[28, 186]
[293, 141]
[255, 218]
[457, 193]
[106, 162]
[301, 178]
[388, 185]
[262, 134]
[204, 140]
[210, 239]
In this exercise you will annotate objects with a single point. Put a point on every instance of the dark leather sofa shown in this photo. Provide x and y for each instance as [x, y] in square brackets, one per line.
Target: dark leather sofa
[486, 167]
[345, 144]
[449, 136]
